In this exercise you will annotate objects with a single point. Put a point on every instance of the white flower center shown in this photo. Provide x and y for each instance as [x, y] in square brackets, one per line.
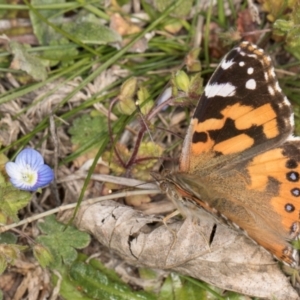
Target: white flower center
[28, 176]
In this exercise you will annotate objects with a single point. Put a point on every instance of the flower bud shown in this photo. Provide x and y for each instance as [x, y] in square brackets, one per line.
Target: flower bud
[182, 81]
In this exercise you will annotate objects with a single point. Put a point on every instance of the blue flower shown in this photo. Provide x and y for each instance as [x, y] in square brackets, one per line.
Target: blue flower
[29, 172]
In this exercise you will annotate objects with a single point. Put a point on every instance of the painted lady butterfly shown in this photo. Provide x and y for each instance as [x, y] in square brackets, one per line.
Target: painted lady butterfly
[240, 161]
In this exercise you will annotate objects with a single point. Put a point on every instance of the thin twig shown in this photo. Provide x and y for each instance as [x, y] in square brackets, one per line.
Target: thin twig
[56, 154]
[73, 205]
[112, 179]
[112, 103]
[136, 147]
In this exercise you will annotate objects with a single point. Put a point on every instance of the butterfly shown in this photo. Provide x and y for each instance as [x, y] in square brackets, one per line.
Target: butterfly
[240, 161]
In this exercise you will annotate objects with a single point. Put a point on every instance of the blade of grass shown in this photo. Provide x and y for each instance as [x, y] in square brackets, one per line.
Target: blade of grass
[221, 13]
[207, 33]
[11, 95]
[204, 286]
[232, 8]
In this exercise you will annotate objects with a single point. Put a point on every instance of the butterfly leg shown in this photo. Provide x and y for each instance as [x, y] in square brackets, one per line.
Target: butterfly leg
[165, 220]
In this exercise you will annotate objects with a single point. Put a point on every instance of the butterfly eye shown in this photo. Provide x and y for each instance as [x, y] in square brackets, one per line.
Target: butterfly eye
[164, 186]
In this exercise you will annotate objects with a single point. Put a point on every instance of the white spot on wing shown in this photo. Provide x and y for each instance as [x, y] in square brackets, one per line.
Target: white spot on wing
[226, 64]
[272, 72]
[250, 71]
[286, 101]
[292, 120]
[266, 76]
[251, 84]
[241, 63]
[222, 89]
[277, 87]
[292, 138]
[271, 90]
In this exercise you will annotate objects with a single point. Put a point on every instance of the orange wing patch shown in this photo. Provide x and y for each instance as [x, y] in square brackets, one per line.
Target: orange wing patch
[274, 165]
[269, 163]
[263, 115]
[244, 117]
[235, 144]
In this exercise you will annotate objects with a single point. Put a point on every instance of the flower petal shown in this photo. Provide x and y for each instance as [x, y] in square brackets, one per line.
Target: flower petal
[13, 170]
[30, 157]
[21, 185]
[45, 175]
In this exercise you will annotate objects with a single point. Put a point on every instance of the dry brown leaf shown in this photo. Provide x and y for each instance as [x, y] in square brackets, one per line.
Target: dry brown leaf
[231, 262]
[137, 200]
[123, 26]
[33, 284]
[45, 102]
[79, 161]
[9, 130]
[126, 27]
[245, 24]
[8, 283]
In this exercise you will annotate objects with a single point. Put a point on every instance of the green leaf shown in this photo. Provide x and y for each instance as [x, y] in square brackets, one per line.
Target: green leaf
[179, 288]
[87, 128]
[61, 53]
[283, 26]
[62, 240]
[152, 276]
[7, 238]
[96, 264]
[45, 33]
[93, 280]
[288, 25]
[99, 285]
[22, 60]
[185, 290]
[3, 263]
[8, 254]
[12, 200]
[166, 291]
[181, 11]
[43, 255]
[68, 289]
[182, 81]
[91, 32]
[144, 100]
